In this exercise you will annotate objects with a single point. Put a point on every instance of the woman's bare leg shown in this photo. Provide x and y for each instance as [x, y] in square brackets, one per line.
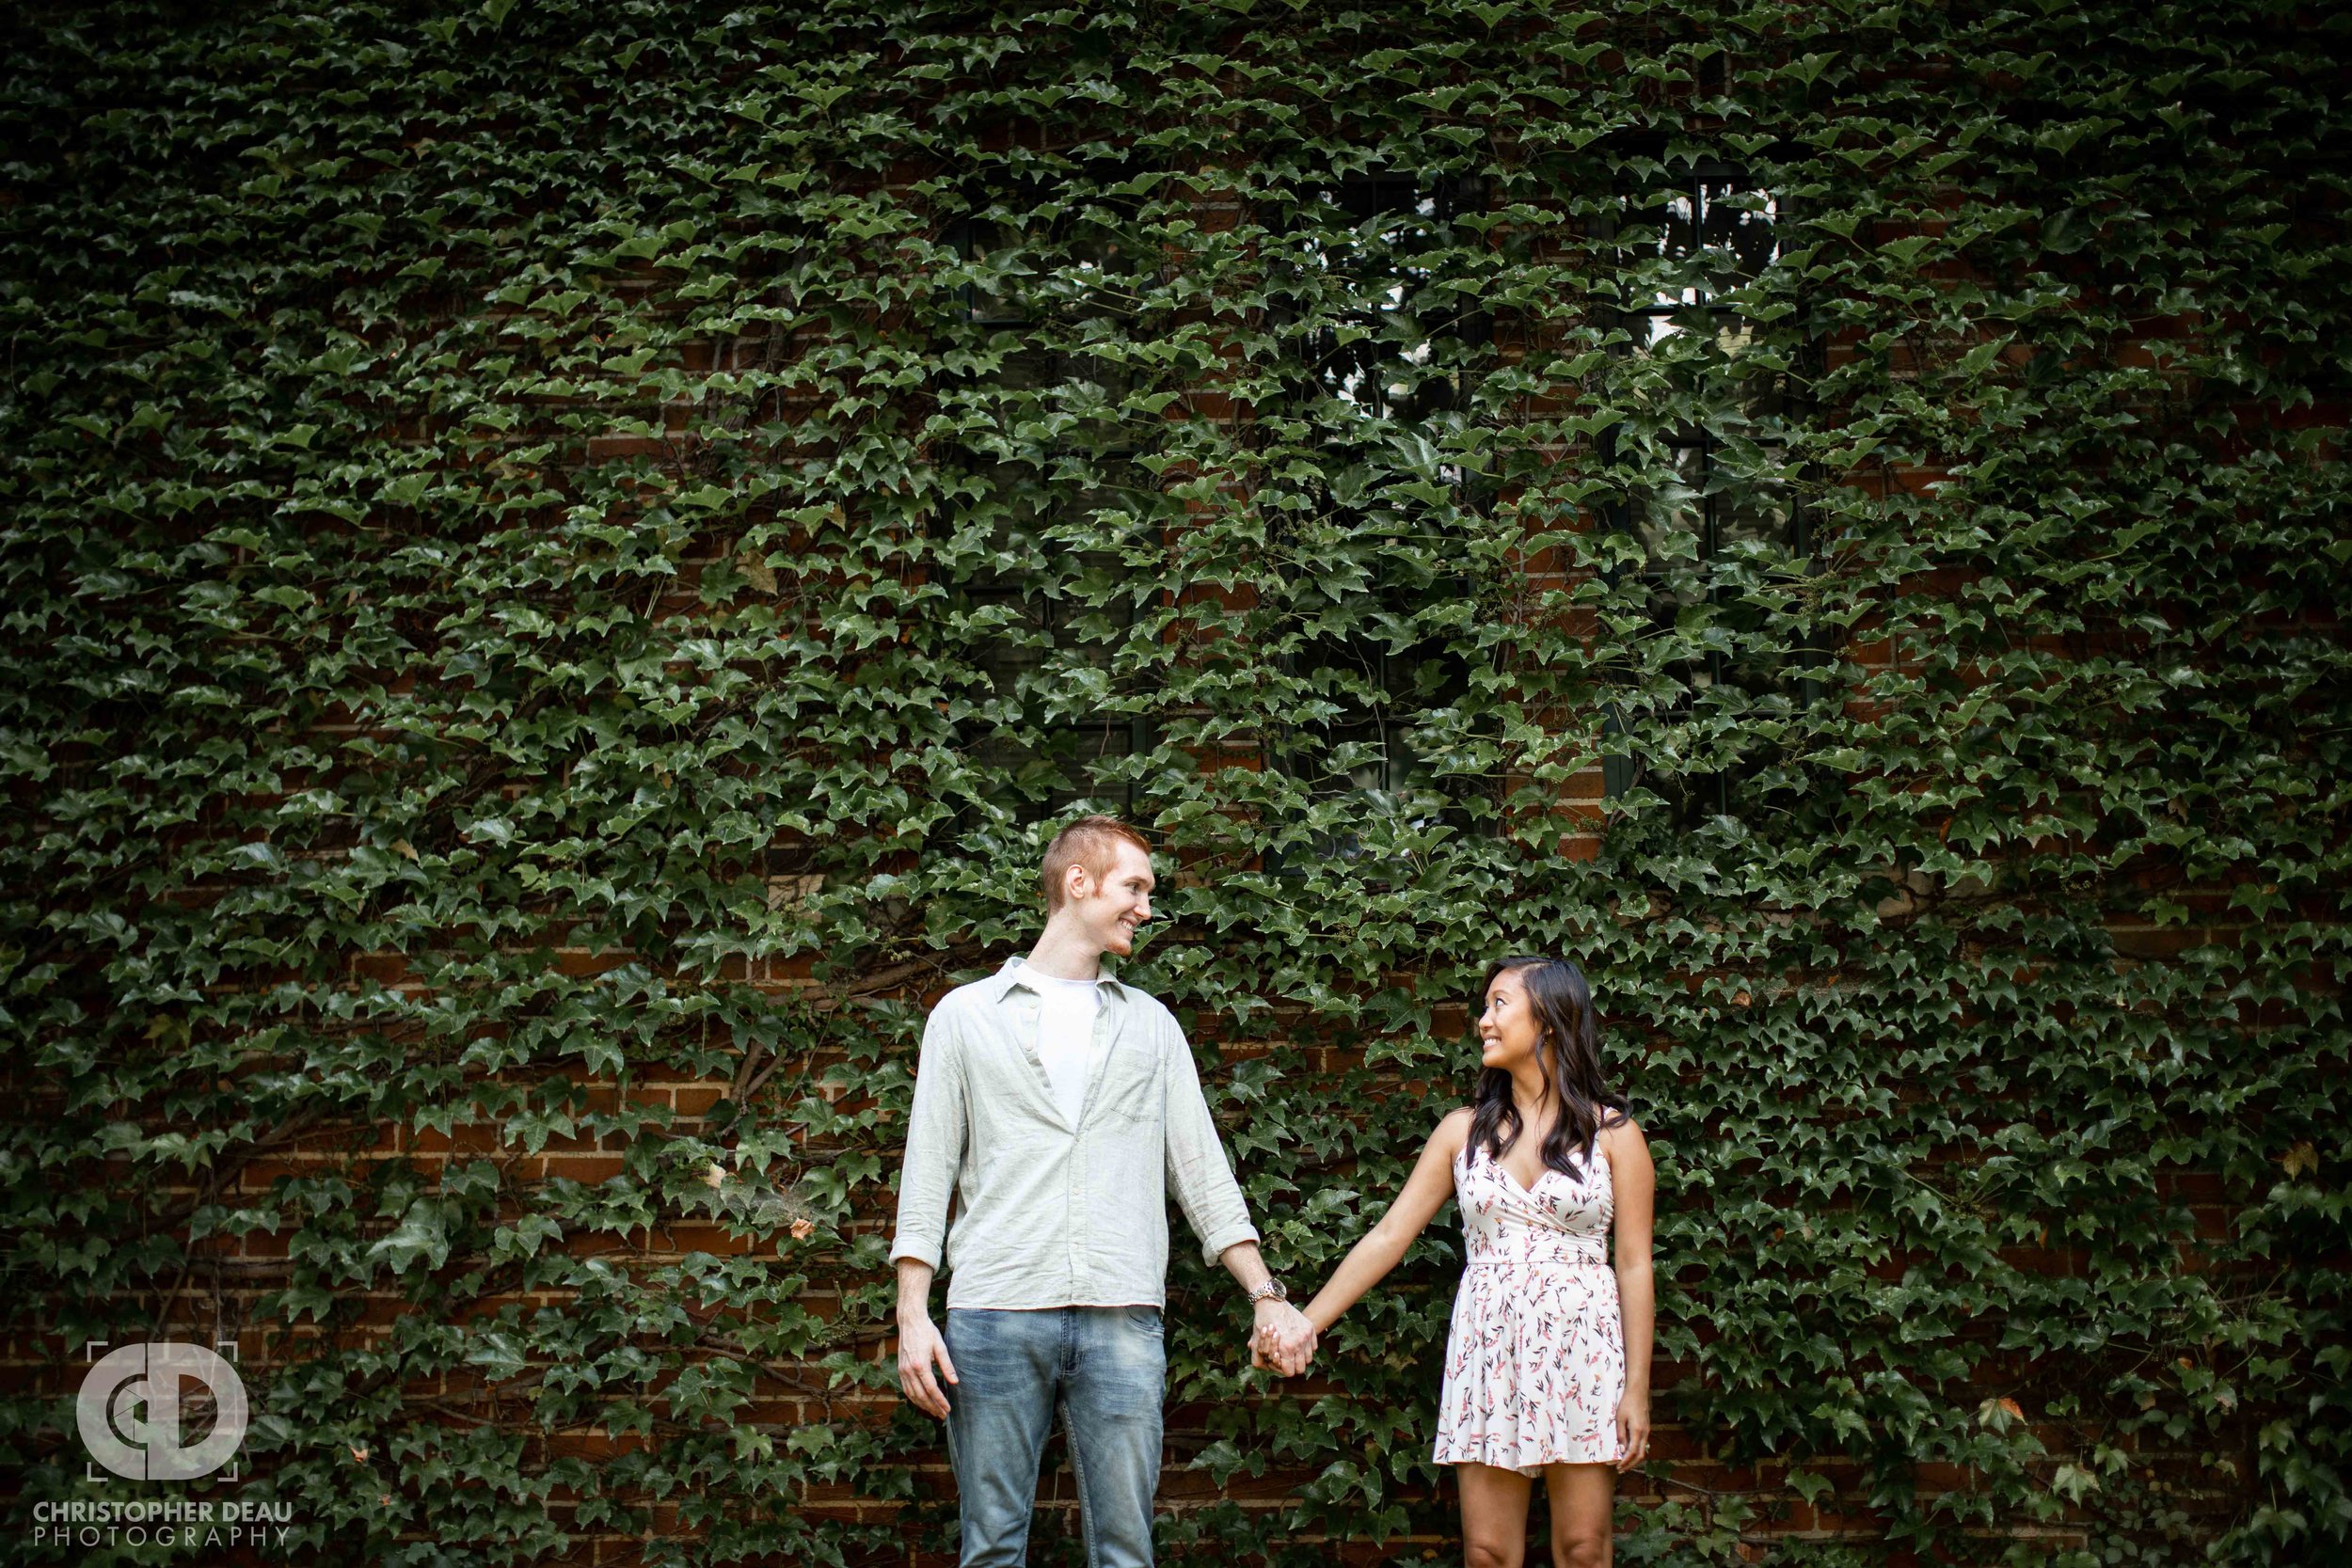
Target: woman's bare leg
[1583, 1501]
[1494, 1516]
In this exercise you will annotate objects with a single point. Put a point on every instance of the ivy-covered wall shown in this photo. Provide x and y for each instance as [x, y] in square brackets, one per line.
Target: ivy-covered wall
[561, 559]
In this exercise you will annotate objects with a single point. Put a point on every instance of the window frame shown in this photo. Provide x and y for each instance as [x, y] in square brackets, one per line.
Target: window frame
[1711, 794]
[1050, 366]
[1306, 754]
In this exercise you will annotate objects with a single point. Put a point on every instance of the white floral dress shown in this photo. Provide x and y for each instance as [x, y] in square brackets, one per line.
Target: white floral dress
[1534, 1363]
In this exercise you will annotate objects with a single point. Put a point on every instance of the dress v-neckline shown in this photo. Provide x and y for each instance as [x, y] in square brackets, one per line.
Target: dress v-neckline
[1525, 1191]
[1521, 1187]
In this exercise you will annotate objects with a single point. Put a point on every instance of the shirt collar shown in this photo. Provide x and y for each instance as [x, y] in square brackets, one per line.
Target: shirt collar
[1008, 981]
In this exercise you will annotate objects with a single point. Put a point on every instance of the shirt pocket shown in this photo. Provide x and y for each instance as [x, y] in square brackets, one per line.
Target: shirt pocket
[1131, 1083]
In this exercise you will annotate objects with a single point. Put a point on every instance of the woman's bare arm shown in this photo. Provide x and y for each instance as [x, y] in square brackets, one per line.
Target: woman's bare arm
[1417, 1203]
[1635, 1182]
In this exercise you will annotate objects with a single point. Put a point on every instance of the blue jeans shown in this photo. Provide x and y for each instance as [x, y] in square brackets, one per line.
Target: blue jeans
[1106, 1368]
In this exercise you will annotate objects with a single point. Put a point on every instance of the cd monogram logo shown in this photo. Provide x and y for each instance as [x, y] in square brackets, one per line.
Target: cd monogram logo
[129, 1411]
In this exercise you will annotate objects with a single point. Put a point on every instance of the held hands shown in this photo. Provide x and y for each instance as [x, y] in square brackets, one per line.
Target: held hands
[1281, 1338]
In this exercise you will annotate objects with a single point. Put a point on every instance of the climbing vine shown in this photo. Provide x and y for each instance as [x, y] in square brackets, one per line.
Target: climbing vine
[562, 562]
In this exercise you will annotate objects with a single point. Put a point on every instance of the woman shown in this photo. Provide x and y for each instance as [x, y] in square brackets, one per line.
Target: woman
[1547, 1366]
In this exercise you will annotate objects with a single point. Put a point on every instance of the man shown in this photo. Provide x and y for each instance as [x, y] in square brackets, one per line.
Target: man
[1059, 1106]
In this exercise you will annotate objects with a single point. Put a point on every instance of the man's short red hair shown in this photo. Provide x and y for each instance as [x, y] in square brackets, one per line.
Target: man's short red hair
[1091, 842]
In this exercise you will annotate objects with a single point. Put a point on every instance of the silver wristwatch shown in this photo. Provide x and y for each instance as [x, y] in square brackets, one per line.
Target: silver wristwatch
[1271, 1290]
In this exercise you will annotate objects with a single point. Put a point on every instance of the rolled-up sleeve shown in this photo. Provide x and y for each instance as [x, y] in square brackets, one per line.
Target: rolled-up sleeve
[935, 1133]
[1197, 1167]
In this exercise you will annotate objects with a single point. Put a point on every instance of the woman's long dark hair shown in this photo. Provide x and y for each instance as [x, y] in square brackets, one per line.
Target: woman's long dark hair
[1568, 1056]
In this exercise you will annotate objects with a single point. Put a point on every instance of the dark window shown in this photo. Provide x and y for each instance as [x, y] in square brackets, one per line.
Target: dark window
[1380, 358]
[1036, 606]
[1712, 505]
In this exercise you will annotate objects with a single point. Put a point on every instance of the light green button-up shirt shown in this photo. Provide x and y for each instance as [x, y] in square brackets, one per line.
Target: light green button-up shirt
[1052, 1214]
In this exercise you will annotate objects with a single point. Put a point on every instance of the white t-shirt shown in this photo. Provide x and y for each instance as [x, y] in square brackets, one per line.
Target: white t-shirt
[1065, 1035]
